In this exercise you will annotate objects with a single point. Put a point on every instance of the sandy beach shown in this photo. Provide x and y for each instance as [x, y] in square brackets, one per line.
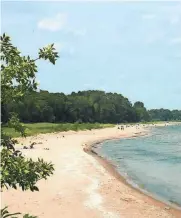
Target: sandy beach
[82, 185]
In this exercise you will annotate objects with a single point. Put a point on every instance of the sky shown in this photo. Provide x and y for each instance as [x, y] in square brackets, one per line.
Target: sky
[132, 48]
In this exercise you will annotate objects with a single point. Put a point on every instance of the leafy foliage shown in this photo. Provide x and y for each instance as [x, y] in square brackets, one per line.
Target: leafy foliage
[18, 76]
[18, 73]
[5, 214]
[48, 53]
[82, 107]
[141, 112]
[15, 123]
[165, 114]
[17, 170]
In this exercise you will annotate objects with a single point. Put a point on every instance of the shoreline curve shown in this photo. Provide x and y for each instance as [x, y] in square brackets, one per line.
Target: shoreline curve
[111, 169]
[82, 186]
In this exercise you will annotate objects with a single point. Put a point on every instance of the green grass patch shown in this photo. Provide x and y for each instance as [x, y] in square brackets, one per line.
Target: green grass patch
[36, 128]
[158, 122]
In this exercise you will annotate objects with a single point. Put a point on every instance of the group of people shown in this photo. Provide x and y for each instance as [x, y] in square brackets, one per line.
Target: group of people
[122, 127]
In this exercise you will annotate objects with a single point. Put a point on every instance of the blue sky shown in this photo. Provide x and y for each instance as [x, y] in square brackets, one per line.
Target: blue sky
[133, 48]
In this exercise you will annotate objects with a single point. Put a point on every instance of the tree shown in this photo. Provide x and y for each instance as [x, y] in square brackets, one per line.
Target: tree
[18, 76]
[18, 73]
[84, 106]
[141, 112]
[165, 114]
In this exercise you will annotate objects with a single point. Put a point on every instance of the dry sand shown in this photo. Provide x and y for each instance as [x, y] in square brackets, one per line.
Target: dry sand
[82, 186]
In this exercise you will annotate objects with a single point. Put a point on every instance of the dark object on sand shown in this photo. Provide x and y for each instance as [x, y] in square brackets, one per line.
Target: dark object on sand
[32, 145]
[118, 127]
[25, 147]
[122, 127]
[46, 149]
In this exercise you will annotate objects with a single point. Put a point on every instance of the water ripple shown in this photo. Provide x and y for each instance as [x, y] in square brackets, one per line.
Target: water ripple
[152, 162]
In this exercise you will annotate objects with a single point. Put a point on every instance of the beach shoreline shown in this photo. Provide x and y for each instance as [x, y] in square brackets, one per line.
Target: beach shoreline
[111, 168]
[83, 184]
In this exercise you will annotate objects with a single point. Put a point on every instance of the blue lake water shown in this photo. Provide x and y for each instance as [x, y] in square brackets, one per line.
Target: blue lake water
[152, 162]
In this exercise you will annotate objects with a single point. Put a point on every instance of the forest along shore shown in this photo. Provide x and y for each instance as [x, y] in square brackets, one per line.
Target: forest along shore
[82, 186]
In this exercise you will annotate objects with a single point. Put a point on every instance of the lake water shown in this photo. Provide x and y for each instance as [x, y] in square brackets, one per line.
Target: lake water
[152, 163]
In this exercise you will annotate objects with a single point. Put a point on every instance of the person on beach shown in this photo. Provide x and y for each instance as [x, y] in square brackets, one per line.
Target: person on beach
[85, 147]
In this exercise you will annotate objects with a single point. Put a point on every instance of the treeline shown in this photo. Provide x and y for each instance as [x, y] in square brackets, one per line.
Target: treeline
[165, 115]
[83, 106]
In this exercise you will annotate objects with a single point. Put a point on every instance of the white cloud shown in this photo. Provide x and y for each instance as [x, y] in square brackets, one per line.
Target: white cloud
[53, 23]
[148, 16]
[176, 40]
[60, 22]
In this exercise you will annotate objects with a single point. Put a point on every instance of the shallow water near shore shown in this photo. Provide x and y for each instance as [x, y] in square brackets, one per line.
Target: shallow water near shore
[151, 163]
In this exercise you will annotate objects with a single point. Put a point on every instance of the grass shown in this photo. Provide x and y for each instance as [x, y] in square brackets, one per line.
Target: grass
[152, 122]
[36, 128]
[158, 122]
